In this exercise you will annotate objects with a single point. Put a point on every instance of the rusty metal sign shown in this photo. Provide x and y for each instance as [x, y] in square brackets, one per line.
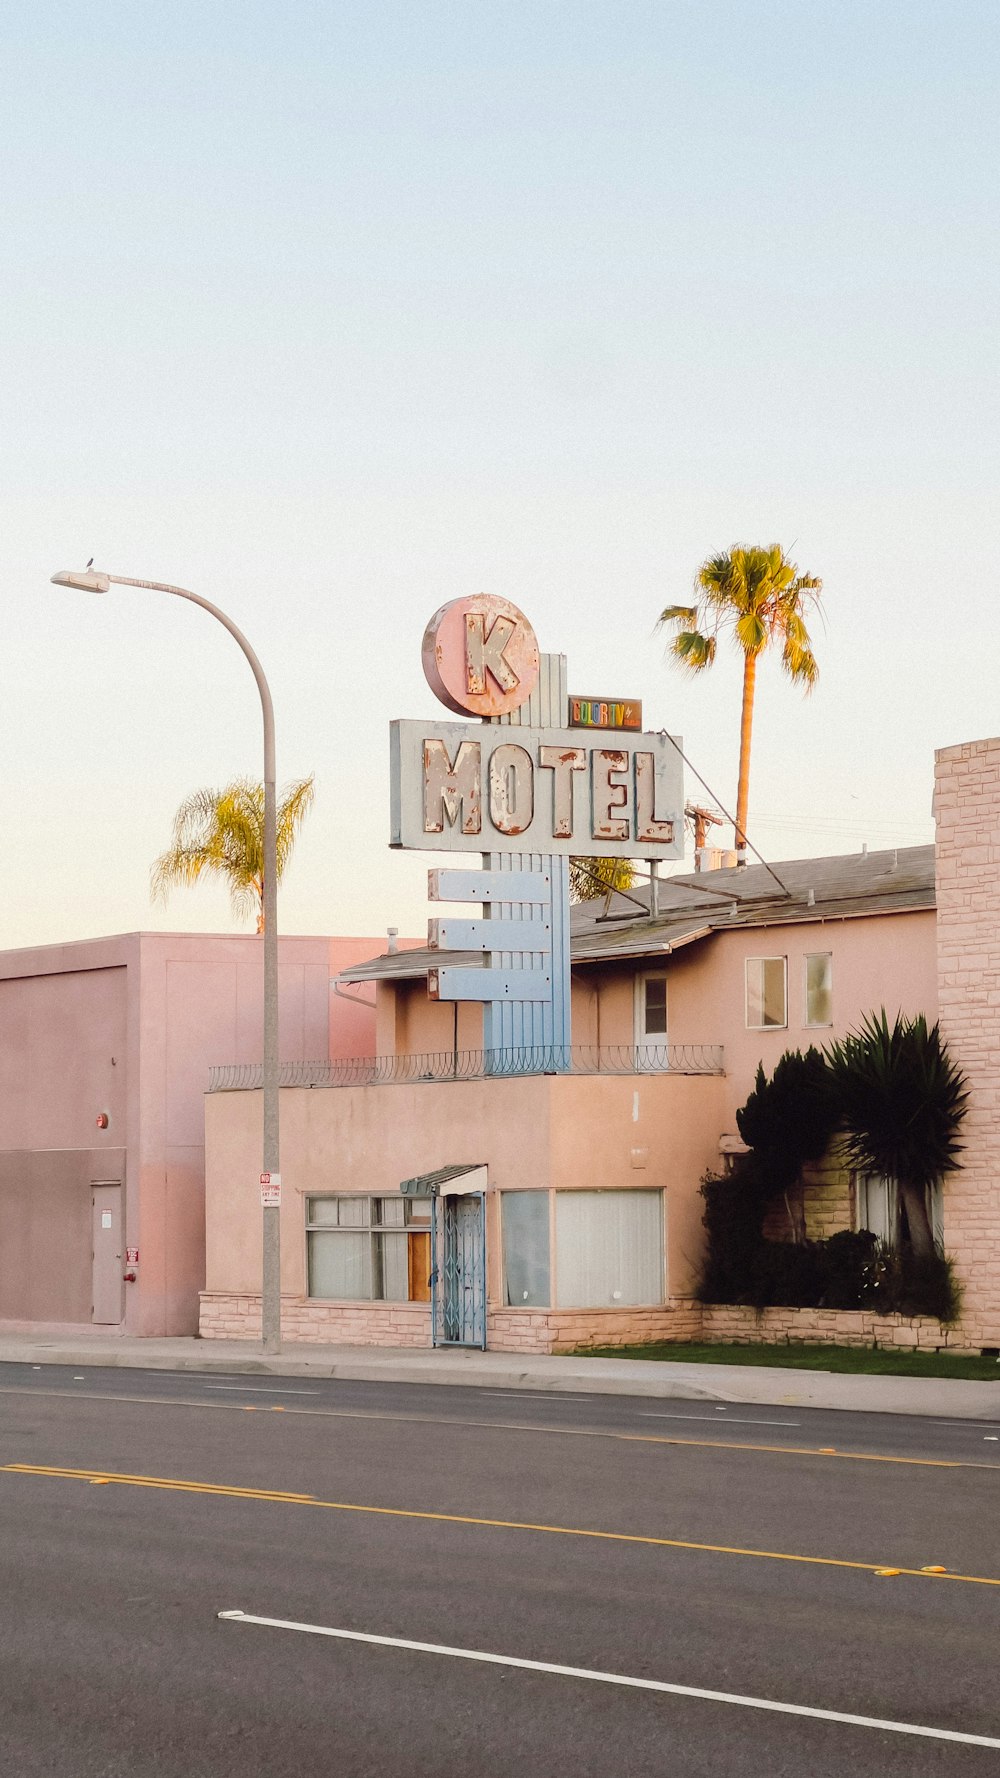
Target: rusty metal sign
[480, 656]
[605, 713]
[457, 788]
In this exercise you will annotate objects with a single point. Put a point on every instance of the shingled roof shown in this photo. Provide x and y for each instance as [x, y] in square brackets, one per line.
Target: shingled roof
[846, 886]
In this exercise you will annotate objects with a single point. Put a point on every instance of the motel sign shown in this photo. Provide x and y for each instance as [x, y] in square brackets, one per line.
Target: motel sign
[552, 791]
[535, 788]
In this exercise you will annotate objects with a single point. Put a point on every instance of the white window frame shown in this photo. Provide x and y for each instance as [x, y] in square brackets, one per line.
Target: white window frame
[662, 1258]
[372, 1228]
[783, 1026]
[809, 1024]
[651, 1047]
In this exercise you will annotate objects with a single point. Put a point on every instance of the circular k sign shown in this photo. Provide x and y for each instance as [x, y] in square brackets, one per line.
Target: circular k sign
[480, 656]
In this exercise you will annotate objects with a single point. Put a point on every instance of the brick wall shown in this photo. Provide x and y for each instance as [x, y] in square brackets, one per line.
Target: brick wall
[821, 1206]
[743, 1326]
[967, 812]
[233, 1317]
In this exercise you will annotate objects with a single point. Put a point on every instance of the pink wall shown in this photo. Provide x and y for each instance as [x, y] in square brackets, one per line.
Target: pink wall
[131, 1025]
[967, 809]
[878, 960]
[596, 1133]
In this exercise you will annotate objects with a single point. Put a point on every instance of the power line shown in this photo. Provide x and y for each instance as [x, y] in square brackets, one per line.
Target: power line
[721, 805]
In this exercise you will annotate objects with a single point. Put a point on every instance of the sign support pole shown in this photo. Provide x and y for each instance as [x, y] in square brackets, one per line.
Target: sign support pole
[527, 1025]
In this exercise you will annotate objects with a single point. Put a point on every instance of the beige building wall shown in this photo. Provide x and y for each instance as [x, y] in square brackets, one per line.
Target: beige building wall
[967, 812]
[538, 1133]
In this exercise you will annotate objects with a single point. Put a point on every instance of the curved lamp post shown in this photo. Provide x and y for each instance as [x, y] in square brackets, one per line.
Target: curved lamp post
[94, 582]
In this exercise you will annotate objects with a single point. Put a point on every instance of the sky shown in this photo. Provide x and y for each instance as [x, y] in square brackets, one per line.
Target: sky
[333, 310]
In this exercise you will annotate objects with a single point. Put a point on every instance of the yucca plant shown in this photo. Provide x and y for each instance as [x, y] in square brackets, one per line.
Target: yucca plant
[758, 594]
[902, 1099]
[222, 832]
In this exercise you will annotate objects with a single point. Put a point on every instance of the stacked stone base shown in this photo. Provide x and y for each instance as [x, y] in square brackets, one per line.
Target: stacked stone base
[734, 1324]
[237, 1317]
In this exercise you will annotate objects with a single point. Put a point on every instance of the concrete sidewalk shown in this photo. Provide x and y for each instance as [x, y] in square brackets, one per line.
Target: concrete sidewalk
[941, 1398]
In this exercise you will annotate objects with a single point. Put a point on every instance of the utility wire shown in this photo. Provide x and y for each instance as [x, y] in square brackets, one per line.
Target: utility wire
[720, 805]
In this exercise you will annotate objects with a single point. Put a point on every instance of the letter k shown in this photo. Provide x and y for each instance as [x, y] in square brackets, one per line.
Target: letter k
[484, 652]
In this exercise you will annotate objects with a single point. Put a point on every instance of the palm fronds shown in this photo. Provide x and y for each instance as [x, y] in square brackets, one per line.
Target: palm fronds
[222, 832]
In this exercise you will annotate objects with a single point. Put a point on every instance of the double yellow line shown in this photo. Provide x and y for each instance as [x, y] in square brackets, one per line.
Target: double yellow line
[102, 1477]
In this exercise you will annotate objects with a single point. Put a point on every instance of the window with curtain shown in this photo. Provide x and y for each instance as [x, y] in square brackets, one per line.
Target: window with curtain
[525, 1224]
[876, 1208]
[357, 1249]
[767, 1000]
[819, 988]
[609, 1249]
[651, 1022]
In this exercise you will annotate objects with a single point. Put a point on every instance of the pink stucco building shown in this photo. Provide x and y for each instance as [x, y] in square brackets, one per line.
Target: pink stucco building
[105, 1050]
[565, 1196]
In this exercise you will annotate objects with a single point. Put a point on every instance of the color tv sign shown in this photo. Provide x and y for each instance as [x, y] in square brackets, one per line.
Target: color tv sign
[551, 790]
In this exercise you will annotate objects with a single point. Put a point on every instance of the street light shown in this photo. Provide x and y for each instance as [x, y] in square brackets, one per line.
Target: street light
[97, 582]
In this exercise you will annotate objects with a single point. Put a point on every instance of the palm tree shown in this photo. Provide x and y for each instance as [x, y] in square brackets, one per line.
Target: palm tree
[902, 1100]
[222, 831]
[592, 878]
[759, 595]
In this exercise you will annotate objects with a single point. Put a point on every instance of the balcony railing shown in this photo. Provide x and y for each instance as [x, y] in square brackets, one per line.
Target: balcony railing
[371, 1071]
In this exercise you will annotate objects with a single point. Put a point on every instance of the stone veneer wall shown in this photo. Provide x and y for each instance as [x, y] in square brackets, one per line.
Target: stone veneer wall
[237, 1317]
[560, 1330]
[822, 1205]
[967, 812]
[742, 1326]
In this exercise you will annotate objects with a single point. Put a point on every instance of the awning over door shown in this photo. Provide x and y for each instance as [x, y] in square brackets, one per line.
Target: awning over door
[464, 1176]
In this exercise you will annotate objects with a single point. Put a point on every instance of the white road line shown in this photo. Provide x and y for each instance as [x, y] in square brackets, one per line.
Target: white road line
[645, 1685]
[519, 1394]
[254, 1389]
[731, 1419]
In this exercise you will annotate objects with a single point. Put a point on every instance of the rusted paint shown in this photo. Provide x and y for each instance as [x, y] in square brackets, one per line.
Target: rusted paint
[562, 762]
[452, 789]
[609, 790]
[512, 789]
[480, 656]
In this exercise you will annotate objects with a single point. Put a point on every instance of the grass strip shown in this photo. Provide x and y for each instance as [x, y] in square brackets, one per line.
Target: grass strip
[871, 1361]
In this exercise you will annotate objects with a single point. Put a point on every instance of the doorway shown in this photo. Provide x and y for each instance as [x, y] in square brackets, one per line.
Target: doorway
[458, 1280]
[107, 1279]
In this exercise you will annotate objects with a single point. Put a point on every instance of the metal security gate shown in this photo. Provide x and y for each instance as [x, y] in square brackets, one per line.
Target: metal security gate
[458, 1278]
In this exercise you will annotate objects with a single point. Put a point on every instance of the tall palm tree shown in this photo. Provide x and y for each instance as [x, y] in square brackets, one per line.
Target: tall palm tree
[222, 832]
[759, 595]
[902, 1099]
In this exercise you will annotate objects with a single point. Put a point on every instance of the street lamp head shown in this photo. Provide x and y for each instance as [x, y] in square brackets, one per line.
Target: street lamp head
[85, 582]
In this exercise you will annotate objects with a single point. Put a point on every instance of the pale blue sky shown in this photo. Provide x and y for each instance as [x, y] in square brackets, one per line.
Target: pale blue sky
[334, 311]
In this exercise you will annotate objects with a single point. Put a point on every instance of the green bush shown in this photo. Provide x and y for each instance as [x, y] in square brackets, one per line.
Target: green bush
[848, 1271]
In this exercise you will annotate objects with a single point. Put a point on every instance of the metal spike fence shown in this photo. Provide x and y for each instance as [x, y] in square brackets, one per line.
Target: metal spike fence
[369, 1071]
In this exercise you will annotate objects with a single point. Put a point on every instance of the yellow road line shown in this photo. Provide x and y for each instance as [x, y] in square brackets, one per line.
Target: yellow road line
[175, 1485]
[602, 1432]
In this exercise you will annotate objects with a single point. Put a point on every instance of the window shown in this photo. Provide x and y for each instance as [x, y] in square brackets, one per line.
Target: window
[767, 1003]
[525, 1218]
[651, 1020]
[877, 1208]
[609, 1249]
[819, 988]
[360, 1249]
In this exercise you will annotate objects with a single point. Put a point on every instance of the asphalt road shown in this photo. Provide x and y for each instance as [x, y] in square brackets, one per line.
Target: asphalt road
[726, 1550]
